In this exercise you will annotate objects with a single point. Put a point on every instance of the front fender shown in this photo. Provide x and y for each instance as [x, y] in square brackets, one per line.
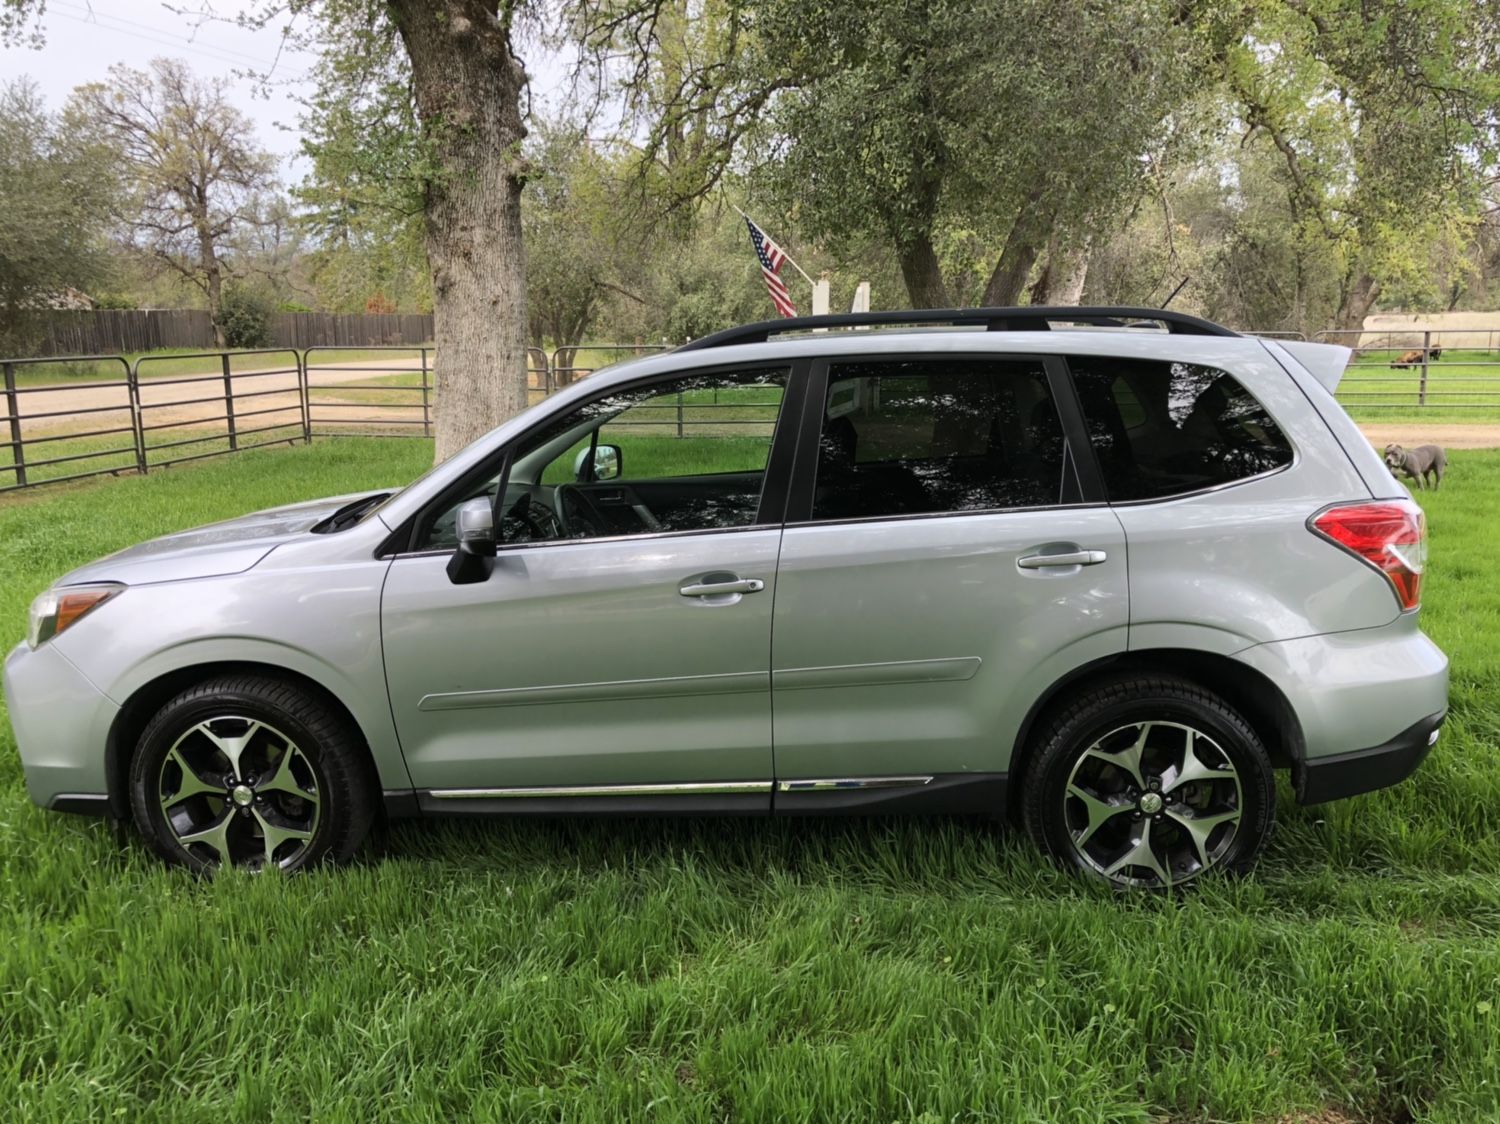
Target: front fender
[321, 622]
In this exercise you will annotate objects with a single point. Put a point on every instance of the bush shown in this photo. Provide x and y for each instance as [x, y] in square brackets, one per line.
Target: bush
[246, 317]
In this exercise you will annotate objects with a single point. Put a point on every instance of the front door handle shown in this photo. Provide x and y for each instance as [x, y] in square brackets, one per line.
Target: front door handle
[715, 589]
[1073, 558]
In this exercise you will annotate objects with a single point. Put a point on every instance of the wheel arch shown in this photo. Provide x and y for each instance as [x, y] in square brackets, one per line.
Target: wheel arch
[1254, 695]
[150, 697]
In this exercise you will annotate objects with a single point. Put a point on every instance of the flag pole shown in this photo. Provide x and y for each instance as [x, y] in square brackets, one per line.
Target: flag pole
[795, 266]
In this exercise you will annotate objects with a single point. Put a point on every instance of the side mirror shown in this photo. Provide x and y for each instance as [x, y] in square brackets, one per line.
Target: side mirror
[476, 543]
[607, 462]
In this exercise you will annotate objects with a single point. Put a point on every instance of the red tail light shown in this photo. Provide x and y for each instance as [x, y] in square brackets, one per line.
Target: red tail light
[1390, 535]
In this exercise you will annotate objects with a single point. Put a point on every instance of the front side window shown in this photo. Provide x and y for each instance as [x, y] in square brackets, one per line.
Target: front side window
[939, 435]
[685, 454]
[1163, 429]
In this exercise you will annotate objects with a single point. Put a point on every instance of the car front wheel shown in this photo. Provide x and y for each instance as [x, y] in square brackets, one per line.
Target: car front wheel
[1150, 782]
[251, 772]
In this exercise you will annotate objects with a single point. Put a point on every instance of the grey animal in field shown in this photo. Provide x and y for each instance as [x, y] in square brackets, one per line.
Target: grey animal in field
[1418, 463]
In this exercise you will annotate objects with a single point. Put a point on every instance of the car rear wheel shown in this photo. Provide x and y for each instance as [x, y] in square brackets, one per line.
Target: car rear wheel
[251, 772]
[1150, 782]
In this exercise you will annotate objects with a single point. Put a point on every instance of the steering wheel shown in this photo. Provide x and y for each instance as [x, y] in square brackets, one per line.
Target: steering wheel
[580, 518]
[527, 521]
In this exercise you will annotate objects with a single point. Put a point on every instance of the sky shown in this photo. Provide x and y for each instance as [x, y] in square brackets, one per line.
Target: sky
[84, 38]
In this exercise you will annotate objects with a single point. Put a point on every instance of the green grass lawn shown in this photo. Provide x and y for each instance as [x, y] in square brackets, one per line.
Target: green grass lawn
[59, 455]
[847, 970]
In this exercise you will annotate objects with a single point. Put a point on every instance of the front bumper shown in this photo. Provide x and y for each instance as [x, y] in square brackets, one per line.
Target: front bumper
[61, 723]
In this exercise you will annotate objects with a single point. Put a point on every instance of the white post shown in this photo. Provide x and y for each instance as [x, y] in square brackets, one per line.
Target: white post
[820, 297]
[861, 298]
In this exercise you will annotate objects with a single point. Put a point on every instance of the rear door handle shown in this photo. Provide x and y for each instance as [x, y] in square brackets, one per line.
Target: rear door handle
[1074, 558]
[714, 589]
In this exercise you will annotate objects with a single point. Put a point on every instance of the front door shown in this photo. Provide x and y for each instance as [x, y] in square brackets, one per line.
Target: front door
[621, 645]
[939, 569]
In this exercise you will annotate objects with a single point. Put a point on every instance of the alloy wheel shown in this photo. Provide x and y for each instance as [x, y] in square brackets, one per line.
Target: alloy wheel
[1153, 804]
[235, 791]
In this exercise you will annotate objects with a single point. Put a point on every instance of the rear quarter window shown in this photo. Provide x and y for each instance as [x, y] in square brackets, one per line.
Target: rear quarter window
[1164, 429]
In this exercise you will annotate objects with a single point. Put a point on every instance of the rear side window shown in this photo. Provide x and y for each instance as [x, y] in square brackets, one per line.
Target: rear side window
[939, 435]
[1162, 429]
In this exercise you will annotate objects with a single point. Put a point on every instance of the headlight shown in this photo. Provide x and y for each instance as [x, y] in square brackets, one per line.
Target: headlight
[58, 609]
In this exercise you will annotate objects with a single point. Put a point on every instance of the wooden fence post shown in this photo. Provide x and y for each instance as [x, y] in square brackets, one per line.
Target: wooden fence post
[304, 382]
[137, 419]
[426, 413]
[1422, 386]
[234, 441]
[12, 408]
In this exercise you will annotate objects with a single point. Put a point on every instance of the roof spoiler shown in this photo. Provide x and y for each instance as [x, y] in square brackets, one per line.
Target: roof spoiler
[1323, 361]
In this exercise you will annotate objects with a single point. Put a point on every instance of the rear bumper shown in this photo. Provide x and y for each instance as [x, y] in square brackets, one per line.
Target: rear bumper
[1365, 770]
[1367, 704]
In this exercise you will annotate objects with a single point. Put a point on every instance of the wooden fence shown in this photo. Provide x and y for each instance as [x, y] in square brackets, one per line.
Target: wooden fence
[103, 331]
[332, 329]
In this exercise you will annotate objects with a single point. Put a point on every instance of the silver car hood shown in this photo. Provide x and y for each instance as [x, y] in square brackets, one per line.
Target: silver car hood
[230, 547]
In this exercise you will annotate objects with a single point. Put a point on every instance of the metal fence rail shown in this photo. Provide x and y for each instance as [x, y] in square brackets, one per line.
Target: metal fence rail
[110, 416]
[255, 414]
[1442, 369]
[569, 364]
[107, 416]
[96, 434]
[392, 393]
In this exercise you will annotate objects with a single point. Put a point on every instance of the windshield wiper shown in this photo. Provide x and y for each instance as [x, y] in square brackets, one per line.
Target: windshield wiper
[349, 514]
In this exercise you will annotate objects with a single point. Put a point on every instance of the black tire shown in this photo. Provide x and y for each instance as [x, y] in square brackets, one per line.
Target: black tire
[312, 793]
[1112, 719]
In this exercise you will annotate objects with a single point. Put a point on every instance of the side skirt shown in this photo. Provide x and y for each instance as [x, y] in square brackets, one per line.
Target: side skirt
[944, 794]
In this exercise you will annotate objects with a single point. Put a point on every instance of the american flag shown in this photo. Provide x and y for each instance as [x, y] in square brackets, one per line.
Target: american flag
[771, 256]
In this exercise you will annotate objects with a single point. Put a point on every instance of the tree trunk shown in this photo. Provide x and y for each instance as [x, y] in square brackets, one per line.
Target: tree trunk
[922, 274]
[1062, 277]
[1022, 246]
[213, 273]
[1042, 286]
[1070, 274]
[468, 85]
[1358, 299]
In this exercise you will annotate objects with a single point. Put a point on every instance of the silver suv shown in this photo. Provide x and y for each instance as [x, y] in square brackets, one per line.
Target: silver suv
[1101, 570]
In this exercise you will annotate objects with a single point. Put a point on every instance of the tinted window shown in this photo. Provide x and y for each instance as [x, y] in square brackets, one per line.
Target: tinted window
[685, 454]
[1161, 429]
[938, 435]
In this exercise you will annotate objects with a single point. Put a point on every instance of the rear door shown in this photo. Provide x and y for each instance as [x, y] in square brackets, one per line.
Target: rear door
[945, 560]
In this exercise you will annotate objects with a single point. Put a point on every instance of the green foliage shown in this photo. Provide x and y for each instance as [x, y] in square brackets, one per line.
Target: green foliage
[583, 244]
[371, 163]
[55, 192]
[951, 130]
[1383, 116]
[700, 281]
[246, 316]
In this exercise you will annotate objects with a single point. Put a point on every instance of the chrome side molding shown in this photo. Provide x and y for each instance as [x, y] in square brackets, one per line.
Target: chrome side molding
[828, 784]
[703, 788]
[696, 788]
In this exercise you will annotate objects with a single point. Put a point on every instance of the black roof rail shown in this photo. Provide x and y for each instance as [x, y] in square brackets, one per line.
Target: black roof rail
[1028, 318]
